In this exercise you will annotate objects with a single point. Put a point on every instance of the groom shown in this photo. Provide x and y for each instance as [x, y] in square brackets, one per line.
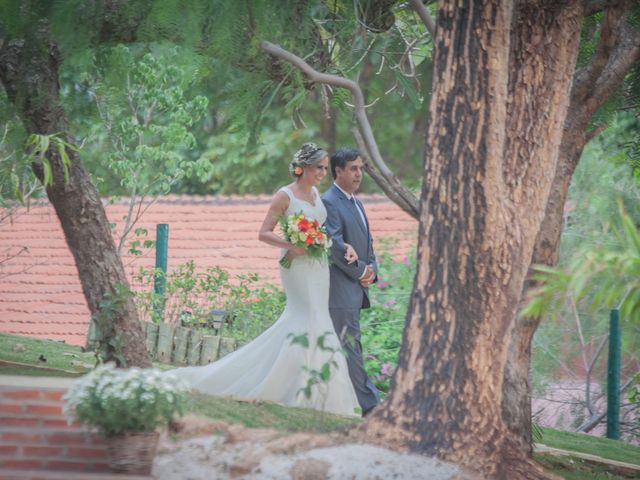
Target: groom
[347, 223]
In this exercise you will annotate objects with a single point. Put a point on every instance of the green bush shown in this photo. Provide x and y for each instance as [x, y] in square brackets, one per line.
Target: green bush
[382, 324]
[191, 297]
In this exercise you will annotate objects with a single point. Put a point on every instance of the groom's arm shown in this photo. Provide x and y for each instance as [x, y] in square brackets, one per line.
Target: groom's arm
[335, 231]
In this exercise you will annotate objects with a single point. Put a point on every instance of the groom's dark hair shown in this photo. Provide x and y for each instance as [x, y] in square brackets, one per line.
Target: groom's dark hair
[341, 157]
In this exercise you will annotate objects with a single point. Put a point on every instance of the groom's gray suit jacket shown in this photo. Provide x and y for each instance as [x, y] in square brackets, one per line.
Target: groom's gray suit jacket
[344, 225]
[346, 296]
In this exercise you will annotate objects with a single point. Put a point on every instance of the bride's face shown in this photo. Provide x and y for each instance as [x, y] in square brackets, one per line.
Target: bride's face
[316, 173]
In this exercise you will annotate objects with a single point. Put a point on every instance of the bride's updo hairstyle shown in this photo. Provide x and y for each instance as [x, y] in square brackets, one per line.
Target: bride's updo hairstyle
[308, 155]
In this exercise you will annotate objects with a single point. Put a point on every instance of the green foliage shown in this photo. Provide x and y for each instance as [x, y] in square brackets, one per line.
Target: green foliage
[608, 274]
[238, 166]
[191, 295]
[256, 102]
[17, 182]
[139, 242]
[147, 117]
[382, 324]
[260, 110]
[627, 96]
[633, 393]
[118, 401]
[331, 38]
[592, 222]
[537, 433]
[317, 377]
[633, 153]
[38, 147]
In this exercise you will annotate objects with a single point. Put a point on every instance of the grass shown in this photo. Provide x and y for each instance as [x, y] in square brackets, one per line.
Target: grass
[67, 360]
[30, 356]
[571, 468]
[260, 414]
[603, 447]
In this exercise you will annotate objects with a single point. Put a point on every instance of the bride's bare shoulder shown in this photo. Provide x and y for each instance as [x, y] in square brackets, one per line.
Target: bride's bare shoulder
[280, 200]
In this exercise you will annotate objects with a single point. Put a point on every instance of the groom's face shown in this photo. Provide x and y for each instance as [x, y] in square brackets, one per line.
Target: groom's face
[350, 177]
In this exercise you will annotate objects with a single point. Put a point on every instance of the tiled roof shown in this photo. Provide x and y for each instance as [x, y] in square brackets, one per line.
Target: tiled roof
[40, 293]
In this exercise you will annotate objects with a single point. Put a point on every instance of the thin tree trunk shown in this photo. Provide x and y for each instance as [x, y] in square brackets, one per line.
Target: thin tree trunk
[592, 86]
[29, 73]
[492, 146]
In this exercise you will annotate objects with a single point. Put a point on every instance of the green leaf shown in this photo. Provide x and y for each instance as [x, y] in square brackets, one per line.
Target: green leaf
[325, 372]
[66, 162]
[48, 172]
[302, 340]
[409, 89]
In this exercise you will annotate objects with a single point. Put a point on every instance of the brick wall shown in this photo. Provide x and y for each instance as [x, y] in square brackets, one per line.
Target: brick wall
[35, 434]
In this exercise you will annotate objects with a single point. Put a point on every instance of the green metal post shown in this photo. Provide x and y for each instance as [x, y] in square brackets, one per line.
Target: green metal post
[159, 283]
[613, 377]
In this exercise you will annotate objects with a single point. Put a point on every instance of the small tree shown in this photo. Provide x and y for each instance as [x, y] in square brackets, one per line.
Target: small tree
[148, 117]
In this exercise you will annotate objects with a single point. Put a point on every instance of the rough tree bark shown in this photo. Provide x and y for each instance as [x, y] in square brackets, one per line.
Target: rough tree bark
[528, 51]
[618, 50]
[497, 110]
[29, 74]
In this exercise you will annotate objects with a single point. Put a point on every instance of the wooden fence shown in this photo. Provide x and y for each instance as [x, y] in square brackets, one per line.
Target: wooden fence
[177, 345]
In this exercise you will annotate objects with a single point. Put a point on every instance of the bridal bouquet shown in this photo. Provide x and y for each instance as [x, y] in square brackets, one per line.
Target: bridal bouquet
[304, 232]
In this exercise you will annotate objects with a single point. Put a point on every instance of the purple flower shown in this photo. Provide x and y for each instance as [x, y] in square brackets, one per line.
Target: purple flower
[390, 303]
[382, 284]
[385, 369]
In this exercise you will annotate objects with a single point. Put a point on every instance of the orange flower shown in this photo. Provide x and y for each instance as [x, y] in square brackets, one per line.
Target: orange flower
[309, 240]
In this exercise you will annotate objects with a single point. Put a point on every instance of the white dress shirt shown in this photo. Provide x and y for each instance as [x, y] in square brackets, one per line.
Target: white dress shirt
[352, 197]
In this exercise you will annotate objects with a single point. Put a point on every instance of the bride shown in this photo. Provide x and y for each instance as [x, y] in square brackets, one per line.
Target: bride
[272, 367]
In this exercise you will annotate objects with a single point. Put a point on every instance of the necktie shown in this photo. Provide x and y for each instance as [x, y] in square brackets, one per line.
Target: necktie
[360, 214]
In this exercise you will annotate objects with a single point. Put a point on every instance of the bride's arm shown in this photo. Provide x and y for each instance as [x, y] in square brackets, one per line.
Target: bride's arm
[267, 235]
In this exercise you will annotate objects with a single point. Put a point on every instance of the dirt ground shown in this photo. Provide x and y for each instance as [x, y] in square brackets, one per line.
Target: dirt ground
[203, 449]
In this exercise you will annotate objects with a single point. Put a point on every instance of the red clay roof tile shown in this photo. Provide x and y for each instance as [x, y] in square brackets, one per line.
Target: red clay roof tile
[41, 295]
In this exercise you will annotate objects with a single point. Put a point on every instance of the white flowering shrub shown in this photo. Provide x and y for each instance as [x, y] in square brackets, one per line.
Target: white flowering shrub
[133, 400]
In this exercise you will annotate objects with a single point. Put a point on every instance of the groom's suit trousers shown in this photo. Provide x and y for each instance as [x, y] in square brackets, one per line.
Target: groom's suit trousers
[346, 322]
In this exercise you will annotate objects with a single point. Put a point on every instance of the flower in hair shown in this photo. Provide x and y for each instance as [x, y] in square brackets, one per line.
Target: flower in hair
[307, 150]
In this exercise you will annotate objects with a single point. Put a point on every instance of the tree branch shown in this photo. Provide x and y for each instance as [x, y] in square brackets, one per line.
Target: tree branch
[595, 132]
[595, 6]
[423, 13]
[587, 77]
[625, 55]
[410, 202]
[590, 424]
[387, 188]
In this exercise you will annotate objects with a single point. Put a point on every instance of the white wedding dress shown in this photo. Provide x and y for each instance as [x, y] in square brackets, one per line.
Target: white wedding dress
[270, 367]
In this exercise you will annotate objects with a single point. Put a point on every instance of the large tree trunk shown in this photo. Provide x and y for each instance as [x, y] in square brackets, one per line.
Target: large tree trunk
[619, 49]
[29, 73]
[498, 106]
